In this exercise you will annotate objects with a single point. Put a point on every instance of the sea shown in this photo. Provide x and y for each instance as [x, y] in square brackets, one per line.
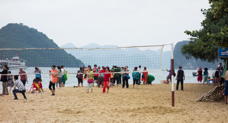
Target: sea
[72, 80]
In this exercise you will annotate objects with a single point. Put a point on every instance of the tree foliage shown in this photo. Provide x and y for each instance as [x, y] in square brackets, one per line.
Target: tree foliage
[214, 33]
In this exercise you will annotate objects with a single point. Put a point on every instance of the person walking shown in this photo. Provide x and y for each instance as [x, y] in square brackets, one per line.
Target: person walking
[180, 78]
[4, 79]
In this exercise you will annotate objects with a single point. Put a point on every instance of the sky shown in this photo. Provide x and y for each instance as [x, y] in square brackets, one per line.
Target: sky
[107, 22]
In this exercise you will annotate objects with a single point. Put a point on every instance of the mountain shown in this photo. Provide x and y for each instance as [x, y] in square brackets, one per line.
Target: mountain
[190, 63]
[121, 57]
[21, 36]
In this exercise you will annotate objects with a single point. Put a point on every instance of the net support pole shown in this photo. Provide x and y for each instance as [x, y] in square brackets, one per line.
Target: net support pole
[172, 76]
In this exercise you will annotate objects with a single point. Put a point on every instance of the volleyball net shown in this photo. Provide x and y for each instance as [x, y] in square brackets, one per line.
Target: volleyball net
[156, 58]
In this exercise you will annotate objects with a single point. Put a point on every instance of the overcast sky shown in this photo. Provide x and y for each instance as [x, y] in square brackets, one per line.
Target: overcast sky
[117, 22]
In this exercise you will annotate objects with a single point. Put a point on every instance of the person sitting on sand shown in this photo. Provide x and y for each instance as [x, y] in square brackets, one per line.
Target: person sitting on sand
[18, 88]
[226, 87]
[54, 79]
[136, 77]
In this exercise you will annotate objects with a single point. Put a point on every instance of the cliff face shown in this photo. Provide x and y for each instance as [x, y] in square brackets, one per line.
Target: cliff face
[21, 36]
[190, 63]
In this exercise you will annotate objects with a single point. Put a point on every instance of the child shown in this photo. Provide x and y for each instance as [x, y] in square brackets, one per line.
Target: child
[18, 88]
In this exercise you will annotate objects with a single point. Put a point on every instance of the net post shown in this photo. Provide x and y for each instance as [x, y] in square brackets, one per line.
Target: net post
[172, 76]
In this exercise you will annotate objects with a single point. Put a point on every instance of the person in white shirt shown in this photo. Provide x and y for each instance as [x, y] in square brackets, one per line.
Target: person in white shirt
[18, 88]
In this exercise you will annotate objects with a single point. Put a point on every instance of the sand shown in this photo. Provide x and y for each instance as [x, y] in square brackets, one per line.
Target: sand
[144, 104]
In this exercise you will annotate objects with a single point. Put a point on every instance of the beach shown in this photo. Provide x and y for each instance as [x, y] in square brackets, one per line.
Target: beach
[143, 104]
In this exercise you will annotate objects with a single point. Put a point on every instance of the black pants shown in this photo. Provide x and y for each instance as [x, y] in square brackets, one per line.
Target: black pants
[80, 81]
[135, 81]
[182, 84]
[125, 82]
[15, 91]
[52, 86]
[118, 80]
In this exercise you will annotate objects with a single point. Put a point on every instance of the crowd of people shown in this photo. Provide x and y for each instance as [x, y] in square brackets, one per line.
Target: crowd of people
[102, 77]
[97, 76]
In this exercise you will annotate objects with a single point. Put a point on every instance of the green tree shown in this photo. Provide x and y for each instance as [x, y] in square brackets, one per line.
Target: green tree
[214, 33]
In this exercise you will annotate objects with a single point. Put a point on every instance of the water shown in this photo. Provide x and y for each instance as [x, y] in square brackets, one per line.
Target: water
[72, 80]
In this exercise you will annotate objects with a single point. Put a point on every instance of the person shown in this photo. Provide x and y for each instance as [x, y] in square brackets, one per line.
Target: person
[150, 79]
[37, 73]
[96, 73]
[200, 75]
[180, 78]
[90, 80]
[23, 76]
[226, 87]
[36, 86]
[107, 76]
[125, 77]
[54, 79]
[60, 75]
[117, 75]
[169, 77]
[216, 76]
[10, 81]
[221, 69]
[205, 76]
[144, 75]
[79, 76]
[4, 79]
[135, 76]
[19, 87]
[140, 71]
[101, 77]
[64, 77]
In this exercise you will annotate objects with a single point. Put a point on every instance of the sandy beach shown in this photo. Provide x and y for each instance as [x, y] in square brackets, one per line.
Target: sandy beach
[144, 104]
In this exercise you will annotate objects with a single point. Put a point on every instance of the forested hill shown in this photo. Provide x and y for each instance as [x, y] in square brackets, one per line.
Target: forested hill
[190, 63]
[21, 36]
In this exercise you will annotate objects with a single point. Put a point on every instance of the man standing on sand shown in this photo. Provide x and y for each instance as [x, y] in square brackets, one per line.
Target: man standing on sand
[54, 79]
[180, 78]
[23, 76]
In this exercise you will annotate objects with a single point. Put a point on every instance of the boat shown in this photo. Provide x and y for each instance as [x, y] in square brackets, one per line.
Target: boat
[13, 63]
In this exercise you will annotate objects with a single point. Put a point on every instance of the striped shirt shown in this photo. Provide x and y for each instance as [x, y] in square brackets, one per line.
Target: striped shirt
[19, 85]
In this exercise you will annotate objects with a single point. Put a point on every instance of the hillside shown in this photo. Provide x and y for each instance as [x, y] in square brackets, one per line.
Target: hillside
[21, 36]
